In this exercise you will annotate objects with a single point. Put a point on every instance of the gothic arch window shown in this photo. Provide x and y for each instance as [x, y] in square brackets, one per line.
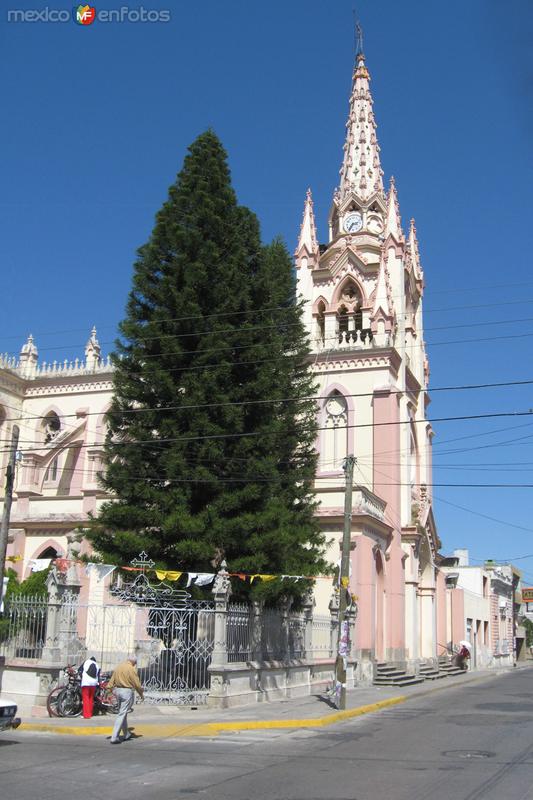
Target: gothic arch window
[50, 476]
[51, 427]
[349, 314]
[335, 439]
[48, 552]
[321, 322]
[342, 324]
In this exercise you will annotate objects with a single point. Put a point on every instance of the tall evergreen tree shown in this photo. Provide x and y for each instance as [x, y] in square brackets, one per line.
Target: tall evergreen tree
[209, 452]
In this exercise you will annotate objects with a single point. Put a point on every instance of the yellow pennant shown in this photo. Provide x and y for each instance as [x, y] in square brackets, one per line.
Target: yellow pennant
[262, 577]
[345, 582]
[168, 575]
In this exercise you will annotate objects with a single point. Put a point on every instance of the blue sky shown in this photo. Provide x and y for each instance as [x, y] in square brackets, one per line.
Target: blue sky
[97, 121]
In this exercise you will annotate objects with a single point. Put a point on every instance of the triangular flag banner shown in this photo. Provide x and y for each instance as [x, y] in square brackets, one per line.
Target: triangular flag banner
[200, 578]
[101, 570]
[168, 575]
[39, 564]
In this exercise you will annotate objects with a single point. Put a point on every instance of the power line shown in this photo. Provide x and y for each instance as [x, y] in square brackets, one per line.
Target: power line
[256, 312]
[312, 479]
[484, 287]
[309, 398]
[156, 442]
[484, 516]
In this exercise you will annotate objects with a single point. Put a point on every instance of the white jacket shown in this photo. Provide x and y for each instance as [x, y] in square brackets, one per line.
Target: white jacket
[86, 679]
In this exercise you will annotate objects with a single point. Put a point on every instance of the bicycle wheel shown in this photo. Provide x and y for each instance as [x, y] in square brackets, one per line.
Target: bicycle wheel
[107, 701]
[69, 702]
[51, 701]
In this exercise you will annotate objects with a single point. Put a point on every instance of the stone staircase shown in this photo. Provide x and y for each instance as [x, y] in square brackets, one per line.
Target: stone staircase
[389, 675]
[431, 672]
[447, 667]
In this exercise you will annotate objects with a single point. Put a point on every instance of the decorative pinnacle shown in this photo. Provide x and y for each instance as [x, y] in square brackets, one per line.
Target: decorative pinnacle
[308, 236]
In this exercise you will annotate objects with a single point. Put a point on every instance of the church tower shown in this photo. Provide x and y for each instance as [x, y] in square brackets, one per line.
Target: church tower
[362, 294]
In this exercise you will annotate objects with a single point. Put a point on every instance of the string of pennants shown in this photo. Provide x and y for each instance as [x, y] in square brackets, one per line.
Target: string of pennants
[196, 578]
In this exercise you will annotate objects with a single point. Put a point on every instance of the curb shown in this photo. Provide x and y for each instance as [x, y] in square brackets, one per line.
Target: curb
[214, 728]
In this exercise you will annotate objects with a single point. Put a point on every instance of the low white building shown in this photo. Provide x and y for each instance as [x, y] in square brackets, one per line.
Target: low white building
[468, 607]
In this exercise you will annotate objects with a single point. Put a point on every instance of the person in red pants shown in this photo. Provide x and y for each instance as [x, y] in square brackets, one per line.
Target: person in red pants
[90, 674]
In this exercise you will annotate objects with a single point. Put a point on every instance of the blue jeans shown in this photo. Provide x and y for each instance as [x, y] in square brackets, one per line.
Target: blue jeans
[126, 697]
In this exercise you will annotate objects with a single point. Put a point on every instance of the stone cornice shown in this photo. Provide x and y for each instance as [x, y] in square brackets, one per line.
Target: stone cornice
[366, 522]
[50, 388]
[337, 361]
[11, 382]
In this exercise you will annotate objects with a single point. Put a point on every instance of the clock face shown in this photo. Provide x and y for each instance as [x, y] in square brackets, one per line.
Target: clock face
[353, 222]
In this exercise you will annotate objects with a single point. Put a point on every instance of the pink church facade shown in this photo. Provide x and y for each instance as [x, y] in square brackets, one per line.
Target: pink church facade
[363, 296]
[363, 307]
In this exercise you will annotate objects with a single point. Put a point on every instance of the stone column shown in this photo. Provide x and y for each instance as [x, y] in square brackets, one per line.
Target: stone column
[308, 607]
[285, 607]
[50, 650]
[256, 648]
[219, 658]
[221, 592]
[351, 616]
[334, 612]
[62, 643]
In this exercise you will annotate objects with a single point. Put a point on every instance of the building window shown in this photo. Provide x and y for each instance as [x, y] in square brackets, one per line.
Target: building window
[321, 322]
[336, 432]
[350, 316]
[50, 476]
[485, 633]
[51, 427]
[342, 324]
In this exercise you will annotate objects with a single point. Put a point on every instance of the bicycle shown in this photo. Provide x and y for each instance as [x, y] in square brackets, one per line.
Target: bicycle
[69, 700]
[52, 700]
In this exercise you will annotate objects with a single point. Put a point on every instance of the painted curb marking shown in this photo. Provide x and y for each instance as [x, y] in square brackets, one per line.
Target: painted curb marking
[214, 728]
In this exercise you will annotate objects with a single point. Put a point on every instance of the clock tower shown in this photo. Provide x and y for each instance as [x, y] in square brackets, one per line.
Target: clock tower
[362, 293]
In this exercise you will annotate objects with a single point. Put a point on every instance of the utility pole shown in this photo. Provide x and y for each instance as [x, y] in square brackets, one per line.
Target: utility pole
[344, 580]
[8, 497]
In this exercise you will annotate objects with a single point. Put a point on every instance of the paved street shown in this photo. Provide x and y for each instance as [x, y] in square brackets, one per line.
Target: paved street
[467, 742]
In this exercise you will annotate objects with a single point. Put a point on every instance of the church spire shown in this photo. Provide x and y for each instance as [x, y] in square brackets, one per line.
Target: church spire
[361, 171]
[308, 238]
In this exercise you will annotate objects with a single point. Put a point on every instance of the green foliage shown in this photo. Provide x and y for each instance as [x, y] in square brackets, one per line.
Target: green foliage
[33, 586]
[210, 451]
[528, 625]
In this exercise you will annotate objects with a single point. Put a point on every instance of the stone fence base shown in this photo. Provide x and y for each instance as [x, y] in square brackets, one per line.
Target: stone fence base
[261, 681]
[28, 684]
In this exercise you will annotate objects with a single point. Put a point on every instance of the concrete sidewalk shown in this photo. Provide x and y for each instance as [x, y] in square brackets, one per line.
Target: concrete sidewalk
[313, 711]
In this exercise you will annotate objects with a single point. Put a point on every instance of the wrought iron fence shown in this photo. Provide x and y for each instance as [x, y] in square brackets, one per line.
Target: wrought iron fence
[173, 645]
[23, 627]
[239, 633]
[271, 635]
[321, 644]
